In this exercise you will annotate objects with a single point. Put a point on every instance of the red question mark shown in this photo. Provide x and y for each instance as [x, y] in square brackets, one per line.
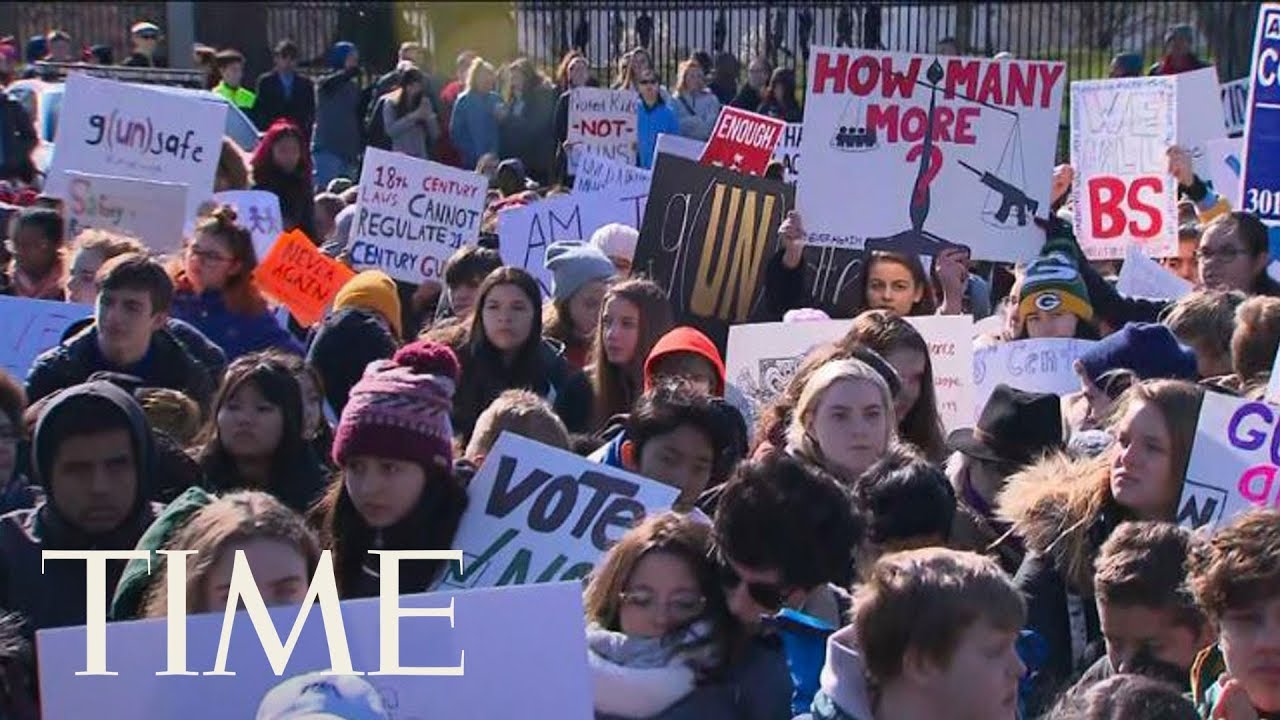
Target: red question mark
[930, 172]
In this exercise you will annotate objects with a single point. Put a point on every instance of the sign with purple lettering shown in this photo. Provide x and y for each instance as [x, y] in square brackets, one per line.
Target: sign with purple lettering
[1234, 462]
[413, 214]
[135, 131]
[540, 514]
[29, 327]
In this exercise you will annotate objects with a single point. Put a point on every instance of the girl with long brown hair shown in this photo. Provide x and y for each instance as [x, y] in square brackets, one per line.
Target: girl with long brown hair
[635, 314]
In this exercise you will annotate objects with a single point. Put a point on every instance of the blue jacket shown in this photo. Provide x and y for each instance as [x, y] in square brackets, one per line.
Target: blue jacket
[236, 334]
[474, 126]
[650, 122]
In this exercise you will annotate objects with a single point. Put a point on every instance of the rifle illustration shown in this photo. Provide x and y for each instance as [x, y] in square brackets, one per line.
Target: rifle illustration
[1010, 197]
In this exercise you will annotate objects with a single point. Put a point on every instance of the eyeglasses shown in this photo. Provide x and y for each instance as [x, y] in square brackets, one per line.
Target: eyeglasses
[676, 606]
[769, 596]
[1225, 254]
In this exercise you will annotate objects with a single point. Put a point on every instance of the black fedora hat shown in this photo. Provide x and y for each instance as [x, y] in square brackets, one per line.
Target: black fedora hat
[1015, 427]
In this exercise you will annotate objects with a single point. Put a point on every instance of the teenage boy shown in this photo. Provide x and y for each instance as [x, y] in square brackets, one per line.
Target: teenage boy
[1150, 621]
[1235, 576]
[686, 353]
[92, 452]
[129, 336]
[230, 65]
[38, 269]
[934, 632]
[1204, 322]
[463, 273]
[908, 501]
[284, 93]
[673, 435]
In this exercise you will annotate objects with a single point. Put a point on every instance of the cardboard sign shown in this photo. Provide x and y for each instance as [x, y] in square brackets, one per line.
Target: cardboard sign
[1123, 194]
[678, 145]
[1199, 121]
[413, 214]
[540, 514]
[525, 232]
[742, 141]
[1233, 462]
[528, 641]
[1143, 277]
[301, 277]
[135, 131]
[597, 173]
[788, 152]
[602, 122]
[1223, 156]
[1235, 104]
[707, 236]
[29, 327]
[761, 360]
[1042, 366]
[923, 151]
[153, 212]
[257, 210]
[1260, 189]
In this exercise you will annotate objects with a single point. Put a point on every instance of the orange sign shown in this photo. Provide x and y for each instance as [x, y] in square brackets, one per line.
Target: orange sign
[300, 277]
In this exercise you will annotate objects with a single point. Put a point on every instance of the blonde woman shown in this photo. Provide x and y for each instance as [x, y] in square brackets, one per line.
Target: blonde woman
[477, 114]
[696, 106]
[844, 420]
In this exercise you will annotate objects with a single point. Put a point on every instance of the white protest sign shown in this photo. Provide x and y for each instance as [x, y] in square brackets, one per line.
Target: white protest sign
[153, 212]
[788, 151]
[1042, 366]
[1235, 104]
[528, 641]
[413, 214]
[762, 358]
[874, 174]
[29, 327]
[135, 131]
[678, 145]
[259, 211]
[989, 325]
[1199, 114]
[1143, 277]
[1123, 193]
[597, 173]
[1223, 157]
[1273, 382]
[1234, 461]
[525, 232]
[601, 122]
[541, 514]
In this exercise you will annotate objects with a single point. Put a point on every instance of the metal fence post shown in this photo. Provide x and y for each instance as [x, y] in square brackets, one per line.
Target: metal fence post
[180, 26]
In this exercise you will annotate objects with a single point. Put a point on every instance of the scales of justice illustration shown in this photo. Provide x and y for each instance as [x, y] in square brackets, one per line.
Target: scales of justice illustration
[1005, 200]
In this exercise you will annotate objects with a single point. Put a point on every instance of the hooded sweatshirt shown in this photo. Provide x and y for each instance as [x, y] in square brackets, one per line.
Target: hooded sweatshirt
[844, 694]
[56, 598]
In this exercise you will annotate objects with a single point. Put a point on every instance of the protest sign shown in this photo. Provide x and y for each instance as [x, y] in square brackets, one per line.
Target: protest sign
[597, 173]
[761, 359]
[135, 131]
[1260, 187]
[1224, 167]
[257, 210]
[918, 151]
[540, 514]
[1273, 382]
[1199, 120]
[29, 327]
[1123, 194]
[1042, 365]
[525, 232]
[1233, 462]
[708, 233]
[788, 151]
[301, 277]
[678, 145]
[1235, 102]
[153, 212]
[1143, 277]
[742, 141]
[527, 641]
[413, 214]
[601, 122]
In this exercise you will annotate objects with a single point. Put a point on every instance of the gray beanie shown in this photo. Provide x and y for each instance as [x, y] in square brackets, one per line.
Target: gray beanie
[573, 264]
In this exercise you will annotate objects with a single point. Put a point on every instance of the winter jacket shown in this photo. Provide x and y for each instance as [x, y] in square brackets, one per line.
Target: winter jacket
[791, 113]
[844, 694]
[126, 604]
[297, 201]
[526, 130]
[696, 113]
[18, 139]
[567, 390]
[236, 334]
[209, 355]
[474, 126]
[297, 483]
[650, 123]
[343, 344]
[56, 596]
[169, 363]
[756, 687]
[409, 133]
[748, 98]
[338, 116]
[299, 107]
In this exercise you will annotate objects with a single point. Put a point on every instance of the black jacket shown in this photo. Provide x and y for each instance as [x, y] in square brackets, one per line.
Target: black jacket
[566, 389]
[300, 106]
[344, 344]
[17, 140]
[170, 364]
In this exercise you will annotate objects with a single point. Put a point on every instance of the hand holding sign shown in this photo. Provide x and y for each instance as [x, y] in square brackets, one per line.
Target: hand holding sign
[1180, 165]
[791, 234]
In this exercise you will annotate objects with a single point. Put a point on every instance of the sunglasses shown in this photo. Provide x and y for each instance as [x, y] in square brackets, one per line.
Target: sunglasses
[769, 596]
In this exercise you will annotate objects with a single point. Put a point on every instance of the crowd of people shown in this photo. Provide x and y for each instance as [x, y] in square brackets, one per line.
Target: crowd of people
[841, 559]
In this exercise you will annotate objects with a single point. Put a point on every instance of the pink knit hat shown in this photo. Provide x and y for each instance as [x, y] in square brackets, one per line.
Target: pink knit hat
[400, 408]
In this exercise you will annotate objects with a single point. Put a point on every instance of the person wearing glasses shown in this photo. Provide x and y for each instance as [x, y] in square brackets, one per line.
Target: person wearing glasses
[655, 116]
[145, 37]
